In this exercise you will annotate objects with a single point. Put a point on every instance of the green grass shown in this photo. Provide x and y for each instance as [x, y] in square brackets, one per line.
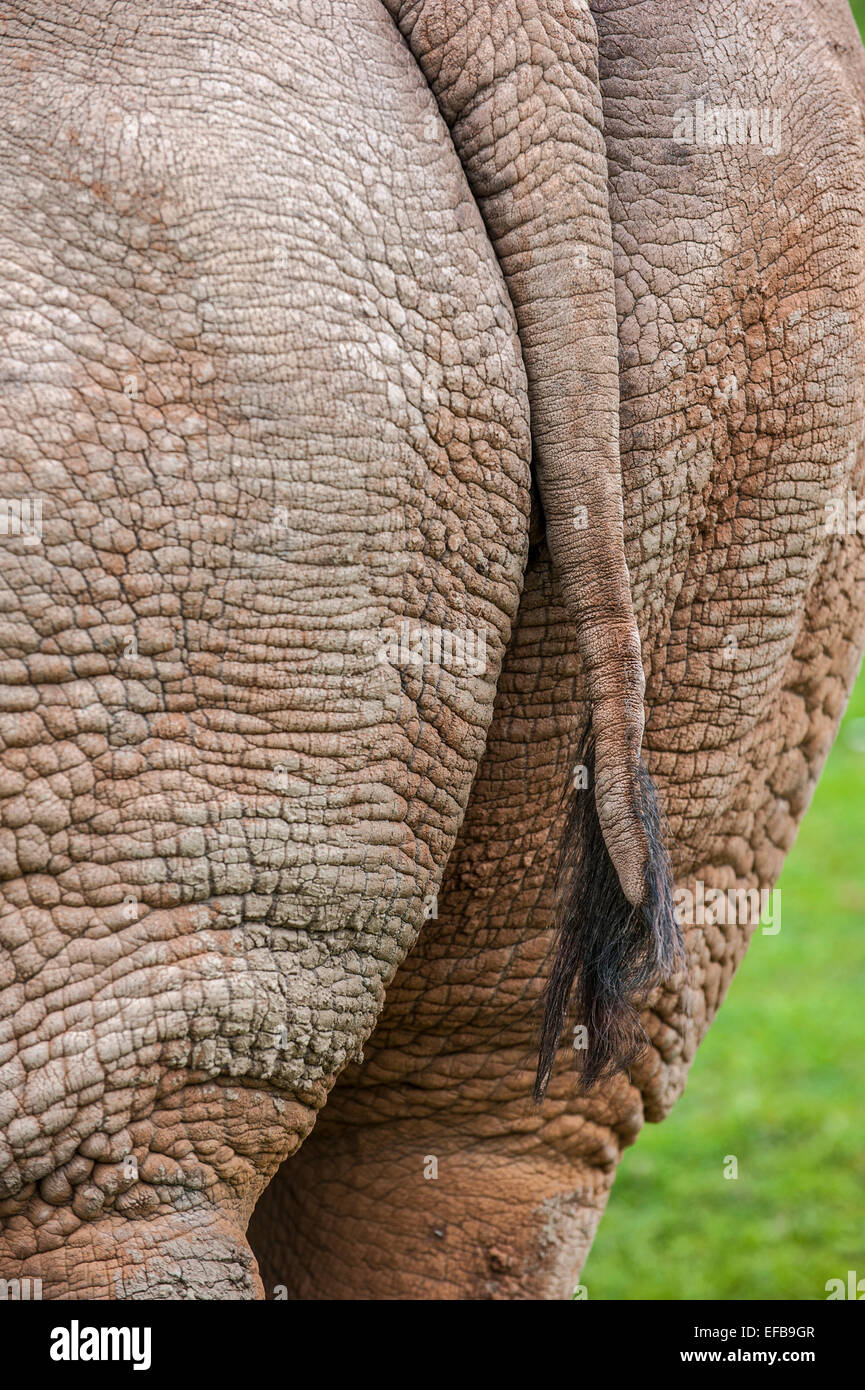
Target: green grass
[779, 1083]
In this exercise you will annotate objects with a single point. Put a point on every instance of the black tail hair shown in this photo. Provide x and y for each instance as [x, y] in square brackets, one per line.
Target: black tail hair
[608, 952]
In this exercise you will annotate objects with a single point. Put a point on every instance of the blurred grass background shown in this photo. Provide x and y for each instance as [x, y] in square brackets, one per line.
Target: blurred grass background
[779, 1082]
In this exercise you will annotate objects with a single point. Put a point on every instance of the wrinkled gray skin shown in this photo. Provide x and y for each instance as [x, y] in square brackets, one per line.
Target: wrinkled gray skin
[274, 334]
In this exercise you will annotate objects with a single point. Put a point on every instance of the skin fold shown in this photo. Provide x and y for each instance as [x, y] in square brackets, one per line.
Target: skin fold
[283, 289]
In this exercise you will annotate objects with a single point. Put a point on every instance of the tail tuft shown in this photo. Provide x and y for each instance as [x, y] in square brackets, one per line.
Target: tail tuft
[608, 952]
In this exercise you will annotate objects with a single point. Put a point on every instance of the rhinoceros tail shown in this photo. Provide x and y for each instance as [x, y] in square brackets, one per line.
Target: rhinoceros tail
[608, 950]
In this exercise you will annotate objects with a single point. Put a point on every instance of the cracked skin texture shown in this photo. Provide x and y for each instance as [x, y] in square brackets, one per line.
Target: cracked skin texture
[221, 811]
[275, 815]
[739, 298]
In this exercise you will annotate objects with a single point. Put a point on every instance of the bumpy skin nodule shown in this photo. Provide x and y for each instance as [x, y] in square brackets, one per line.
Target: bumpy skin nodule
[739, 291]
